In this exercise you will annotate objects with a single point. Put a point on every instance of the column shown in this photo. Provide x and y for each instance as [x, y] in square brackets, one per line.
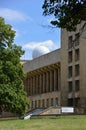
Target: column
[44, 89]
[40, 84]
[36, 84]
[33, 85]
[47, 82]
[51, 81]
[58, 78]
[55, 79]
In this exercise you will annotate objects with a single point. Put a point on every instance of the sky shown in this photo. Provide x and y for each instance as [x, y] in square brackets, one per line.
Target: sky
[32, 28]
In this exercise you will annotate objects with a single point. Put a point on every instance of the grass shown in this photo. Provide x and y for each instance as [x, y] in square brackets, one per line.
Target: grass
[60, 123]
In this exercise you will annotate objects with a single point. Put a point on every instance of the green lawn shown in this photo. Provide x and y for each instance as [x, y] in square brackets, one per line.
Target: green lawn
[60, 123]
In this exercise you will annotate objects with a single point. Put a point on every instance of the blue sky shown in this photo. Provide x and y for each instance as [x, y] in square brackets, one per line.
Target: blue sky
[32, 28]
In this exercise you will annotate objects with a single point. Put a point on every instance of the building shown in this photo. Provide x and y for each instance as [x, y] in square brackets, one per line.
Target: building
[58, 78]
[43, 80]
[73, 70]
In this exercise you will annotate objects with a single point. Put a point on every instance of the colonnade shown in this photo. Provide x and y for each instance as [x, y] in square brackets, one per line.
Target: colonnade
[44, 82]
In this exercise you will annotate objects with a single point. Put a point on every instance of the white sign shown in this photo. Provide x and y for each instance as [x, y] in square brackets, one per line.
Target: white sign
[67, 110]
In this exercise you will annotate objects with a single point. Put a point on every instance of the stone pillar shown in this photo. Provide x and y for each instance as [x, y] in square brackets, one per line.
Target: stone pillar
[46, 81]
[44, 85]
[55, 79]
[45, 89]
[51, 81]
[33, 85]
[40, 84]
[59, 79]
[36, 84]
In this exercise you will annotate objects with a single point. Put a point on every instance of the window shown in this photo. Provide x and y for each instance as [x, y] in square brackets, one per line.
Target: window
[77, 85]
[38, 103]
[51, 101]
[70, 102]
[77, 102]
[43, 102]
[70, 39]
[70, 86]
[56, 102]
[77, 39]
[76, 70]
[47, 103]
[70, 56]
[35, 104]
[76, 54]
[70, 72]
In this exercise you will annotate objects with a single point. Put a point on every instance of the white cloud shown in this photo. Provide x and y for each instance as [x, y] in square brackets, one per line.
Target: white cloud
[13, 15]
[49, 44]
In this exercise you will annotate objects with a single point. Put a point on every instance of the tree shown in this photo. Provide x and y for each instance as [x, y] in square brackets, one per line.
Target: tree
[67, 13]
[12, 95]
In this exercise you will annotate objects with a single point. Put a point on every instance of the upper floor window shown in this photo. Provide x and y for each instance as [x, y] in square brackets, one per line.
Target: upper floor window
[77, 37]
[77, 85]
[70, 41]
[70, 86]
[70, 56]
[76, 70]
[70, 72]
[77, 55]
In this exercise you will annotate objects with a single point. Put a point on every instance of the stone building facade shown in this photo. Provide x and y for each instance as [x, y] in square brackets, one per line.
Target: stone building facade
[59, 77]
[73, 68]
[43, 80]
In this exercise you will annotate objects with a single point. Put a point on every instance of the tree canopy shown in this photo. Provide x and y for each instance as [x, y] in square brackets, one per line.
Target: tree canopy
[12, 95]
[67, 13]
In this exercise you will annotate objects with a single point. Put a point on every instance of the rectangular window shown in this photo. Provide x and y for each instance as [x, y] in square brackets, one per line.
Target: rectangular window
[43, 103]
[70, 41]
[77, 85]
[70, 72]
[76, 54]
[70, 56]
[76, 70]
[38, 103]
[47, 103]
[77, 37]
[56, 102]
[35, 104]
[70, 86]
[70, 102]
[51, 101]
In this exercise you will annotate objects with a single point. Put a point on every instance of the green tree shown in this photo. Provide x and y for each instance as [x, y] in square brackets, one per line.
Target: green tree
[12, 95]
[67, 13]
